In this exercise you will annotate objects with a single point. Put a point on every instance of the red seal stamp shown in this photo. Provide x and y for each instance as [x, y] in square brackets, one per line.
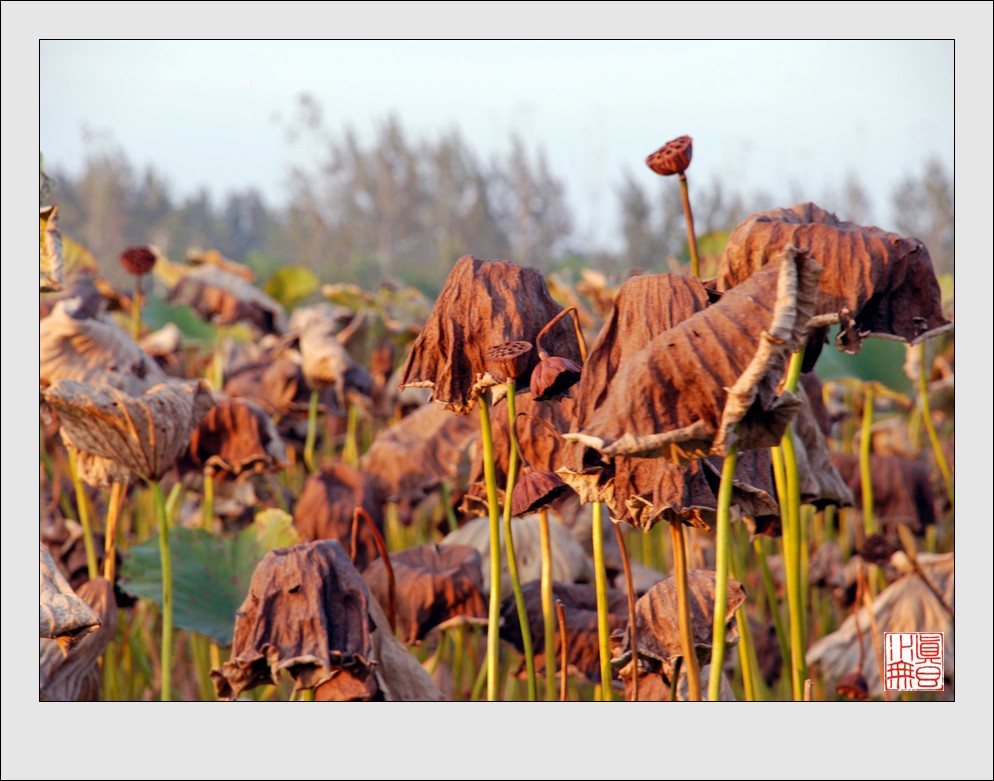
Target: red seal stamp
[914, 662]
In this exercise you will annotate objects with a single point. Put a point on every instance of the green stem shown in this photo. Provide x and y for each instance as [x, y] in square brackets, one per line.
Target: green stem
[792, 565]
[166, 661]
[450, 513]
[695, 263]
[92, 570]
[869, 524]
[312, 431]
[722, 552]
[771, 597]
[548, 609]
[752, 682]
[110, 529]
[679, 540]
[512, 559]
[947, 476]
[350, 452]
[493, 623]
[600, 586]
[207, 506]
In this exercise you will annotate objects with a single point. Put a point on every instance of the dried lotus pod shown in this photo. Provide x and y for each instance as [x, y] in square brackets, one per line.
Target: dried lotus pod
[137, 260]
[673, 157]
[509, 360]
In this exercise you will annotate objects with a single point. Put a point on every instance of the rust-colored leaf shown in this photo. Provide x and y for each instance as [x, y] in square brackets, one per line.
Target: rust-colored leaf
[434, 584]
[902, 489]
[484, 303]
[74, 346]
[145, 433]
[75, 676]
[307, 612]
[410, 458]
[50, 251]
[327, 505]
[711, 379]
[234, 438]
[62, 615]
[883, 284]
[224, 298]
[820, 482]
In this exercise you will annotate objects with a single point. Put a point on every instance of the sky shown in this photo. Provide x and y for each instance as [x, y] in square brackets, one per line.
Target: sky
[788, 120]
[763, 115]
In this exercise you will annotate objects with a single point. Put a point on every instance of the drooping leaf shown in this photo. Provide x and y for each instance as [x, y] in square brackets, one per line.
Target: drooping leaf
[211, 574]
[62, 615]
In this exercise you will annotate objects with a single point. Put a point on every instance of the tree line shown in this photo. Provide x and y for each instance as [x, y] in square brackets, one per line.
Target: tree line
[405, 209]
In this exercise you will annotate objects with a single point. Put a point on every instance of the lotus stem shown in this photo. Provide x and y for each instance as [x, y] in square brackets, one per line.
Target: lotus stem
[675, 683]
[695, 263]
[548, 609]
[869, 524]
[722, 555]
[581, 342]
[563, 653]
[166, 672]
[771, 597]
[791, 522]
[381, 546]
[512, 560]
[751, 679]
[92, 570]
[136, 309]
[631, 609]
[679, 540]
[940, 458]
[450, 513]
[110, 531]
[350, 452]
[312, 431]
[207, 506]
[600, 587]
[493, 621]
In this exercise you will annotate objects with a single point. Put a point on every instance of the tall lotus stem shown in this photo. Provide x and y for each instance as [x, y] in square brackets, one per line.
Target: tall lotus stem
[695, 263]
[791, 521]
[92, 570]
[110, 529]
[564, 655]
[683, 611]
[722, 553]
[600, 587]
[167, 594]
[381, 546]
[940, 458]
[512, 561]
[631, 609]
[312, 431]
[207, 506]
[493, 622]
[866, 435]
[137, 261]
[136, 309]
[548, 610]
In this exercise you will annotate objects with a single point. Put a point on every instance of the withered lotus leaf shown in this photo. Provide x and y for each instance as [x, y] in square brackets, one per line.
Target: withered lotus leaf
[570, 563]
[906, 605]
[399, 676]
[224, 298]
[93, 351]
[411, 457]
[434, 584]
[100, 471]
[883, 281]
[711, 380]
[580, 611]
[657, 626]
[145, 433]
[234, 438]
[902, 489]
[325, 360]
[62, 614]
[307, 612]
[75, 676]
[327, 505]
[553, 377]
[484, 303]
[275, 383]
[535, 490]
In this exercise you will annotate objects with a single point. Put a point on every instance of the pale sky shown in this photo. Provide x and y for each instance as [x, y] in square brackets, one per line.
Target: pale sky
[784, 118]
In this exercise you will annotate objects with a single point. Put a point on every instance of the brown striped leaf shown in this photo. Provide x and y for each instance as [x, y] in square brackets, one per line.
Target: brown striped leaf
[62, 614]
